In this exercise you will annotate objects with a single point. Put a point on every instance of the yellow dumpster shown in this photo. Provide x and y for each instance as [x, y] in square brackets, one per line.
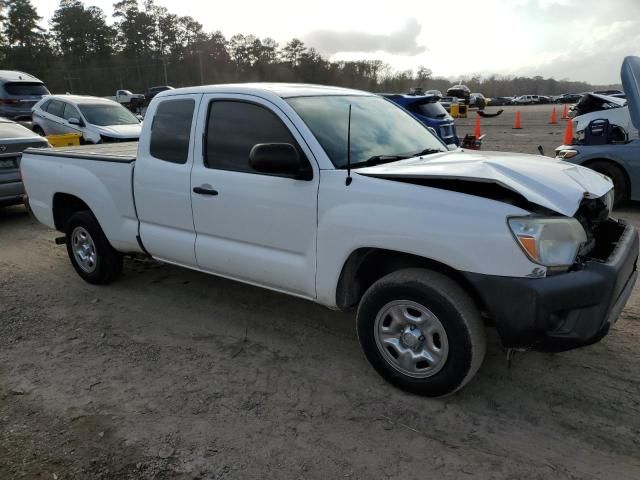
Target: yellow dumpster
[65, 140]
[454, 110]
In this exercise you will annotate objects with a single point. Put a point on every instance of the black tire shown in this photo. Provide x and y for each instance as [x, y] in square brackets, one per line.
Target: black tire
[619, 178]
[38, 130]
[107, 263]
[457, 314]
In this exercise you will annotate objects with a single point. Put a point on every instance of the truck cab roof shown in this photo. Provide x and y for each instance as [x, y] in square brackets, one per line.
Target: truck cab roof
[281, 90]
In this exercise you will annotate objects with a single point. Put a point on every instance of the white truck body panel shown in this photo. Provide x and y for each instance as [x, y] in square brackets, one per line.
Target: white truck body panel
[104, 186]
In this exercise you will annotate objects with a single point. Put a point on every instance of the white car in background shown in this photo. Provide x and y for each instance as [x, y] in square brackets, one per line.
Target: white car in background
[96, 119]
[526, 100]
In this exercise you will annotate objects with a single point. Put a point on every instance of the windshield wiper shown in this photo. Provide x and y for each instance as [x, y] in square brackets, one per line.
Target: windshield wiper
[378, 160]
[426, 151]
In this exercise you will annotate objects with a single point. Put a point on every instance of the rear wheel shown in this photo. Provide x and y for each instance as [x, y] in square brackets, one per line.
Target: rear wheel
[421, 332]
[619, 178]
[93, 258]
[38, 130]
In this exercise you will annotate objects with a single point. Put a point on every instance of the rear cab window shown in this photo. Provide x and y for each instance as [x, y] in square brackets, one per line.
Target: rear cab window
[171, 130]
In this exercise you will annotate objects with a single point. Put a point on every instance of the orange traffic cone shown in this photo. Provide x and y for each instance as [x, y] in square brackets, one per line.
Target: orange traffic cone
[565, 112]
[568, 134]
[553, 120]
[476, 130]
[516, 124]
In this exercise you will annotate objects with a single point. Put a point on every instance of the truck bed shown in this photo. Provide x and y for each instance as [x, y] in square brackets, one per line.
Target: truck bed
[124, 152]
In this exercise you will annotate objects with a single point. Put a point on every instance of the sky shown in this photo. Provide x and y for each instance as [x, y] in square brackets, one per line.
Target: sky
[565, 39]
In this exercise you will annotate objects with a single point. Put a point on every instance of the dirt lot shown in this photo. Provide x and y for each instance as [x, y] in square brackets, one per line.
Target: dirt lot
[170, 373]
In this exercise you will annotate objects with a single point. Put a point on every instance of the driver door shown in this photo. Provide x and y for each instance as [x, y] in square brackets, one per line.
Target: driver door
[257, 228]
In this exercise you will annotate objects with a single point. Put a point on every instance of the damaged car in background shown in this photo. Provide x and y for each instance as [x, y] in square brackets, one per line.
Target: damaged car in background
[593, 106]
[607, 139]
[342, 198]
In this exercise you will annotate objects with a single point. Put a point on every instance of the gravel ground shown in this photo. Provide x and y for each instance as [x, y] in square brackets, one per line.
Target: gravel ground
[170, 373]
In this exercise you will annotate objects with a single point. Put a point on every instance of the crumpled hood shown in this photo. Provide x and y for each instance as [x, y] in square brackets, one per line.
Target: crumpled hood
[545, 181]
[120, 131]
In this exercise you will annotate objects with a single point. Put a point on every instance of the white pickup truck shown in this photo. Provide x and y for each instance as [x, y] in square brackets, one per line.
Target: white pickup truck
[128, 99]
[340, 197]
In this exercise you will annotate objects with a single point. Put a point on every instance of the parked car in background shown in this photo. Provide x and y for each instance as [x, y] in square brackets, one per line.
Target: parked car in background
[477, 100]
[276, 185]
[460, 91]
[14, 139]
[500, 101]
[437, 93]
[620, 161]
[98, 120]
[526, 100]
[19, 92]
[568, 98]
[544, 99]
[430, 112]
[153, 91]
[133, 101]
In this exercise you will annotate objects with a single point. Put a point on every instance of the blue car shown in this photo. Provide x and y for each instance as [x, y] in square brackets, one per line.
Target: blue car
[428, 110]
[605, 150]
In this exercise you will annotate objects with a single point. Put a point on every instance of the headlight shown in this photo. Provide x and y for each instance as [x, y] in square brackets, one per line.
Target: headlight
[567, 154]
[552, 242]
[608, 200]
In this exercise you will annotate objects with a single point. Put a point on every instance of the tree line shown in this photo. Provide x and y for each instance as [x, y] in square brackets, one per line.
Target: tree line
[146, 45]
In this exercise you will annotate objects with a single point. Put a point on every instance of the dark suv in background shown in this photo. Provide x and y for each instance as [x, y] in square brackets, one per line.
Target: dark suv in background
[460, 91]
[153, 91]
[19, 92]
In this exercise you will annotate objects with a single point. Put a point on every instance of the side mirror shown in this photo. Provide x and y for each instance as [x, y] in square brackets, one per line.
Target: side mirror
[275, 159]
[74, 121]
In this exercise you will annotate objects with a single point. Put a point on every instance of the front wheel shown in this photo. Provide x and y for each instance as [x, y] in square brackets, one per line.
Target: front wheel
[421, 332]
[90, 253]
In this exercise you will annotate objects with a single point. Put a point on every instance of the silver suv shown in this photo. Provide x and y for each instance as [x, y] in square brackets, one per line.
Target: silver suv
[19, 92]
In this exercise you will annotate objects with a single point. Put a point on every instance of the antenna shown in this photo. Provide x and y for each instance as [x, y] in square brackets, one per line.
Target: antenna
[348, 180]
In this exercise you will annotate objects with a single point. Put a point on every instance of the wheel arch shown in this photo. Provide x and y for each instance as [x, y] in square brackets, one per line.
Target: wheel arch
[616, 163]
[64, 206]
[366, 265]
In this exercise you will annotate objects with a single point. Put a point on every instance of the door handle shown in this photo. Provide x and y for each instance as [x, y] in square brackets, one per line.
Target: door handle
[205, 191]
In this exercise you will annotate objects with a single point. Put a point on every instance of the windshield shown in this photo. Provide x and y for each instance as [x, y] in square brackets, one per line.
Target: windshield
[103, 115]
[378, 127]
[26, 88]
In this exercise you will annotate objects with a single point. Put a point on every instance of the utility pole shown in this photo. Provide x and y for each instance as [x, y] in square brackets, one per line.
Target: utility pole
[70, 79]
[164, 67]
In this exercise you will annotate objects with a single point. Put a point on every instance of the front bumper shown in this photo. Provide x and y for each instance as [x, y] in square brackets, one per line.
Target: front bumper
[563, 311]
